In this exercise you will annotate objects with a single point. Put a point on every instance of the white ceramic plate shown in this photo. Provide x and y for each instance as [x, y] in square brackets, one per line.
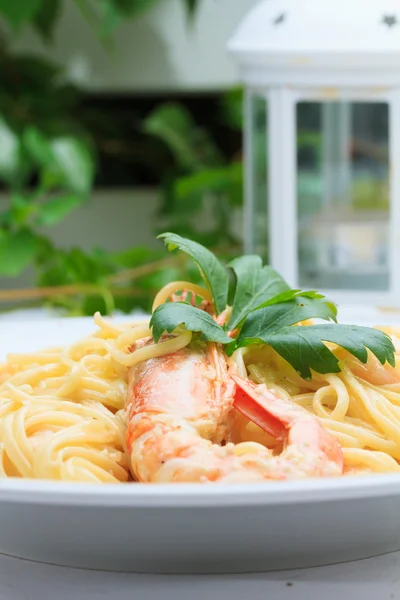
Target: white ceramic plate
[190, 528]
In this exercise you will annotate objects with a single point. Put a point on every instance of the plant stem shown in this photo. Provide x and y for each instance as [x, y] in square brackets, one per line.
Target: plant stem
[41, 293]
[64, 290]
[143, 270]
[83, 288]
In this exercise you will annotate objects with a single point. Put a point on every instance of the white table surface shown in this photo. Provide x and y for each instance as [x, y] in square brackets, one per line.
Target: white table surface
[372, 579]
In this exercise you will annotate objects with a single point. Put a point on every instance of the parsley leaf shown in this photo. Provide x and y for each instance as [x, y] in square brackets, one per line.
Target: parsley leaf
[282, 314]
[304, 348]
[213, 272]
[292, 294]
[264, 311]
[255, 285]
[169, 316]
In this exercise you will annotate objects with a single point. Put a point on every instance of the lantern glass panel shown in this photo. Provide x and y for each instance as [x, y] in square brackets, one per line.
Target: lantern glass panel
[343, 195]
[257, 118]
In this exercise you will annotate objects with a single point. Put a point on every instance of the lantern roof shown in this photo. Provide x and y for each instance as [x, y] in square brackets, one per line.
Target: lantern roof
[355, 42]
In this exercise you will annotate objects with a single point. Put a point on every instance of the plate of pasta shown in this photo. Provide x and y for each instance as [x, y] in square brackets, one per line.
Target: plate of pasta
[240, 427]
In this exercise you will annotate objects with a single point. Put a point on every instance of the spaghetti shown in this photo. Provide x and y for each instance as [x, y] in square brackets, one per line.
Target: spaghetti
[62, 411]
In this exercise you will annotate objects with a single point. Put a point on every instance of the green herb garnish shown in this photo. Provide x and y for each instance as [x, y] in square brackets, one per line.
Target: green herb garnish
[213, 272]
[255, 285]
[264, 311]
[171, 315]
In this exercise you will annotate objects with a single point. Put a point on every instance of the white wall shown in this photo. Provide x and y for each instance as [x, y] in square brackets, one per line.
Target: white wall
[113, 219]
[156, 52]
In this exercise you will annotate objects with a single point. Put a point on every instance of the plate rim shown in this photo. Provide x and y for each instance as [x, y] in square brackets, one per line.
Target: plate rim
[191, 495]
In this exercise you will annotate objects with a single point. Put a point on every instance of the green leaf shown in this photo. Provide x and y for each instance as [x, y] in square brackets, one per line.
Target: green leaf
[114, 12]
[292, 294]
[168, 317]
[232, 108]
[94, 303]
[272, 318]
[57, 209]
[304, 348]
[36, 74]
[255, 285]
[46, 18]
[17, 252]
[66, 161]
[17, 12]
[174, 125]
[219, 179]
[213, 272]
[191, 7]
[10, 153]
[133, 8]
[59, 267]
[158, 279]
[38, 146]
[22, 209]
[74, 164]
[136, 256]
[106, 15]
[192, 147]
[181, 226]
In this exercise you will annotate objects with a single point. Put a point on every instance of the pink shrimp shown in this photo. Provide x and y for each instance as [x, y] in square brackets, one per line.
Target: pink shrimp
[180, 409]
[309, 450]
[373, 371]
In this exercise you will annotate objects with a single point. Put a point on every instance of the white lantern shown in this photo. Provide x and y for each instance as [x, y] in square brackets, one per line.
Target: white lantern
[322, 139]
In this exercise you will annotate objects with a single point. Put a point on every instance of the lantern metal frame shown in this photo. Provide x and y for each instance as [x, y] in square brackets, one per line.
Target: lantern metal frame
[286, 77]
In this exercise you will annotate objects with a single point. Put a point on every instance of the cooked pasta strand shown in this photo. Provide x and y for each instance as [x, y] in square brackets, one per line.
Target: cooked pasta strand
[62, 410]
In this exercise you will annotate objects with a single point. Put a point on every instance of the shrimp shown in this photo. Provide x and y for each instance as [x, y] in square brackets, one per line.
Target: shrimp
[373, 371]
[180, 411]
[309, 450]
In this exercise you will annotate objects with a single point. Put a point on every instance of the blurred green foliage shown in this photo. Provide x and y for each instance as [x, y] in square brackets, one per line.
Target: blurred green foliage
[104, 15]
[203, 180]
[48, 163]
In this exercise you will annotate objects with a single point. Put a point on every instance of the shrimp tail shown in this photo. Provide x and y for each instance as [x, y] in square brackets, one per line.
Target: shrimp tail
[285, 421]
[258, 409]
